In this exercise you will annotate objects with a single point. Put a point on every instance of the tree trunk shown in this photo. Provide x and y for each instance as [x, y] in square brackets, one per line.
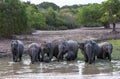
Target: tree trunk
[114, 25]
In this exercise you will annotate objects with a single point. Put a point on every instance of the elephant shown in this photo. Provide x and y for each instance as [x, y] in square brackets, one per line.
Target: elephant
[69, 56]
[34, 51]
[50, 49]
[70, 48]
[17, 48]
[106, 50]
[46, 59]
[89, 49]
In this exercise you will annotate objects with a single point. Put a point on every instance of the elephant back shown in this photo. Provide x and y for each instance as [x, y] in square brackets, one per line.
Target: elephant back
[106, 47]
[73, 45]
[33, 48]
[95, 47]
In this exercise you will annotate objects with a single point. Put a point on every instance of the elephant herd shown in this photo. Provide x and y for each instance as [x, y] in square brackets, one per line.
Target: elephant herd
[62, 50]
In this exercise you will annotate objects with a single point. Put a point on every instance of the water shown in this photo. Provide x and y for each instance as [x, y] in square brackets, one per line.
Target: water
[60, 70]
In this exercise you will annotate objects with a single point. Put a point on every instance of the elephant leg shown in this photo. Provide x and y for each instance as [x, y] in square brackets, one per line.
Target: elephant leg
[58, 57]
[94, 59]
[17, 58]
[61, 58]
[20, 57]
[86, 59]
[103, 56]
[39, 58]
[31, 59]
[51, 56]
[89, 61]
[14, 58]
[109, 57]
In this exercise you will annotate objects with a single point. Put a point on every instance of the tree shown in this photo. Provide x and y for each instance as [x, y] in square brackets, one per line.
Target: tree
[105, 20]
[36, 19]
[13, 19]
[89, 15]
[69, 17]
[46, 5]
[112, 7]
[50, 17]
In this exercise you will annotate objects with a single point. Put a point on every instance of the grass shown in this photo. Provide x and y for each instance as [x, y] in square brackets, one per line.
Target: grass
[115, 52]
[116, 48]
[80, 55]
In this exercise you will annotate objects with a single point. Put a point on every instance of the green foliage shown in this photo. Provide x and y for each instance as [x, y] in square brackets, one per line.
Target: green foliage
[16, 17]
[89, 15]
[13, 18]
[46, 5]
[69, 17]
[36, 19]
[112, 8]
[50, 16]
[80, 55]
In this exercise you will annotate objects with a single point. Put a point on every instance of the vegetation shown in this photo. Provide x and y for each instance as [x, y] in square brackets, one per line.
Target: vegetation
[89, 15]
[19, 17]
[111, 9]
[13, 19]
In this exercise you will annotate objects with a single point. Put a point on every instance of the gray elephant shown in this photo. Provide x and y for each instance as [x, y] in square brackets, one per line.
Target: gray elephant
[17, 48]
[50, 49]
[89, 49]
[46, 59]
[105, 50]
[69, 56]
[70, 48]
[34, 52]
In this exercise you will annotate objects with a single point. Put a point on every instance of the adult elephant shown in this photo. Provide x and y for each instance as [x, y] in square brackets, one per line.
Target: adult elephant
[17, 48]
[50, 49]
[68, 48]
[89, 49]
[34, 52]
[106, 50]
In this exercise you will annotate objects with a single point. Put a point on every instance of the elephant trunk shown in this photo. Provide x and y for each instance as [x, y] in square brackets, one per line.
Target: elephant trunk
[109, 57]
[90, 55]
[33, 55]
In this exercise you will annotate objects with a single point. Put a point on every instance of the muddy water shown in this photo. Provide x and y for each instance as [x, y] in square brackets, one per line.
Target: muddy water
[60, 70]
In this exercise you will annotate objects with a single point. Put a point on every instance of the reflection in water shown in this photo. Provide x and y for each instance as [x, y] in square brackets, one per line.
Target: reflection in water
[90, 69]
[97, 69]
[66, 70]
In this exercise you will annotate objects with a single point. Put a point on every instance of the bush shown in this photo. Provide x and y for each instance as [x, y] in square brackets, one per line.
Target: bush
[13, 19]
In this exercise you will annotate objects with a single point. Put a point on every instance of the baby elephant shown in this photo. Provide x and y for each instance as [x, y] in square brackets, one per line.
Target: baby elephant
[105, 50]
[46, 59]
[17, 48]
[34, 52]
[69, 56]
